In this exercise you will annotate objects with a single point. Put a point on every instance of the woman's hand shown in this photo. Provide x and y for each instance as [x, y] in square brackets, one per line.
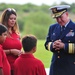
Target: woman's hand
[16, 52]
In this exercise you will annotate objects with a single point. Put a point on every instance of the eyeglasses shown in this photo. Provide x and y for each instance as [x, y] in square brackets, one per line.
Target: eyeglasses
[11, 9]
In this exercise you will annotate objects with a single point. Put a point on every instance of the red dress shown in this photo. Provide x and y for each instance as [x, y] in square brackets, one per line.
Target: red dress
[27, 64]
[4, 62]
[12, 42]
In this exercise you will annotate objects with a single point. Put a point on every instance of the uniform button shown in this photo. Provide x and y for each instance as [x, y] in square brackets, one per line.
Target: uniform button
[58, 56]
[69, 41]
[74, 62]
[58, 51]
[52, 40]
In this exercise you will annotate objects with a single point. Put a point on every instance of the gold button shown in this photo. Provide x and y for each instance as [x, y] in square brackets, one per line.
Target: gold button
[69, 41]
[58, 56]
[52, 40]
[74, 62]
[58, 51]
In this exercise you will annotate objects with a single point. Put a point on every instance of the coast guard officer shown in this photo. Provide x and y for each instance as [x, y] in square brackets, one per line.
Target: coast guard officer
[61, 41]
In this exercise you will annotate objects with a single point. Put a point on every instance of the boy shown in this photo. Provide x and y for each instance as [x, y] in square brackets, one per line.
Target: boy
[27, 64]
[4, 65]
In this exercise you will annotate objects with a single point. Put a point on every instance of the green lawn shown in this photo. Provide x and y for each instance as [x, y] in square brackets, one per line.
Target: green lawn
[43, 54]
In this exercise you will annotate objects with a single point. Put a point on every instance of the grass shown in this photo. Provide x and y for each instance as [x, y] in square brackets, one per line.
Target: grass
[43, 54]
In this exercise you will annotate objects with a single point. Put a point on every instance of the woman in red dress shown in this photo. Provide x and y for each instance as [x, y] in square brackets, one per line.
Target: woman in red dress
[12, 45]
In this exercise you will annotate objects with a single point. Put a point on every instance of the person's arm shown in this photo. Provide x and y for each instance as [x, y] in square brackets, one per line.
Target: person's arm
[15, 52]
[69, 48]
[7, 51]
[49, 42]
[1, 71]
[1, 61]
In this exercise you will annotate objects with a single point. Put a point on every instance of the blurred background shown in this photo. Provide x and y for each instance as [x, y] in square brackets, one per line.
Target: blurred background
[34, 17]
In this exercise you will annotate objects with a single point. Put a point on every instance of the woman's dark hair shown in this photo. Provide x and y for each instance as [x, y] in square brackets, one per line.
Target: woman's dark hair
[5, 17]
[7, 14]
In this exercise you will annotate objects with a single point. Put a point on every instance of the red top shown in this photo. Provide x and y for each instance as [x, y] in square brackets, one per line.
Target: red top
[27, 64]
[4, 62]
[12, 42]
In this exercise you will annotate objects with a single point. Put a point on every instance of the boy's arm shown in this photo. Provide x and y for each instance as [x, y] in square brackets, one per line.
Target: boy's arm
[1, 71]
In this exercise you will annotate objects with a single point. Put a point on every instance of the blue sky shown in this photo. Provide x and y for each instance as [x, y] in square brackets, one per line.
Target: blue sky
[37, 2]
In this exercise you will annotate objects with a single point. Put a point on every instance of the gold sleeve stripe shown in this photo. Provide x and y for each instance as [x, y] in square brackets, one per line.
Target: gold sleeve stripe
[49, 44]
[74, 48]
[71, 48]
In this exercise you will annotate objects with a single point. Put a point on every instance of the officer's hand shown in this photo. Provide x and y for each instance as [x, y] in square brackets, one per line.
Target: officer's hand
[58, 44]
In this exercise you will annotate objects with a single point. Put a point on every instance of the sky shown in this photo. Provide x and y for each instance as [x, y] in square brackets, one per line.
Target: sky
[36, 2]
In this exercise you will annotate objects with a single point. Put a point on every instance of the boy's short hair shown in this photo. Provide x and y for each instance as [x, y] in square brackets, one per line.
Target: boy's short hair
[28, 42]
[2, 29]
